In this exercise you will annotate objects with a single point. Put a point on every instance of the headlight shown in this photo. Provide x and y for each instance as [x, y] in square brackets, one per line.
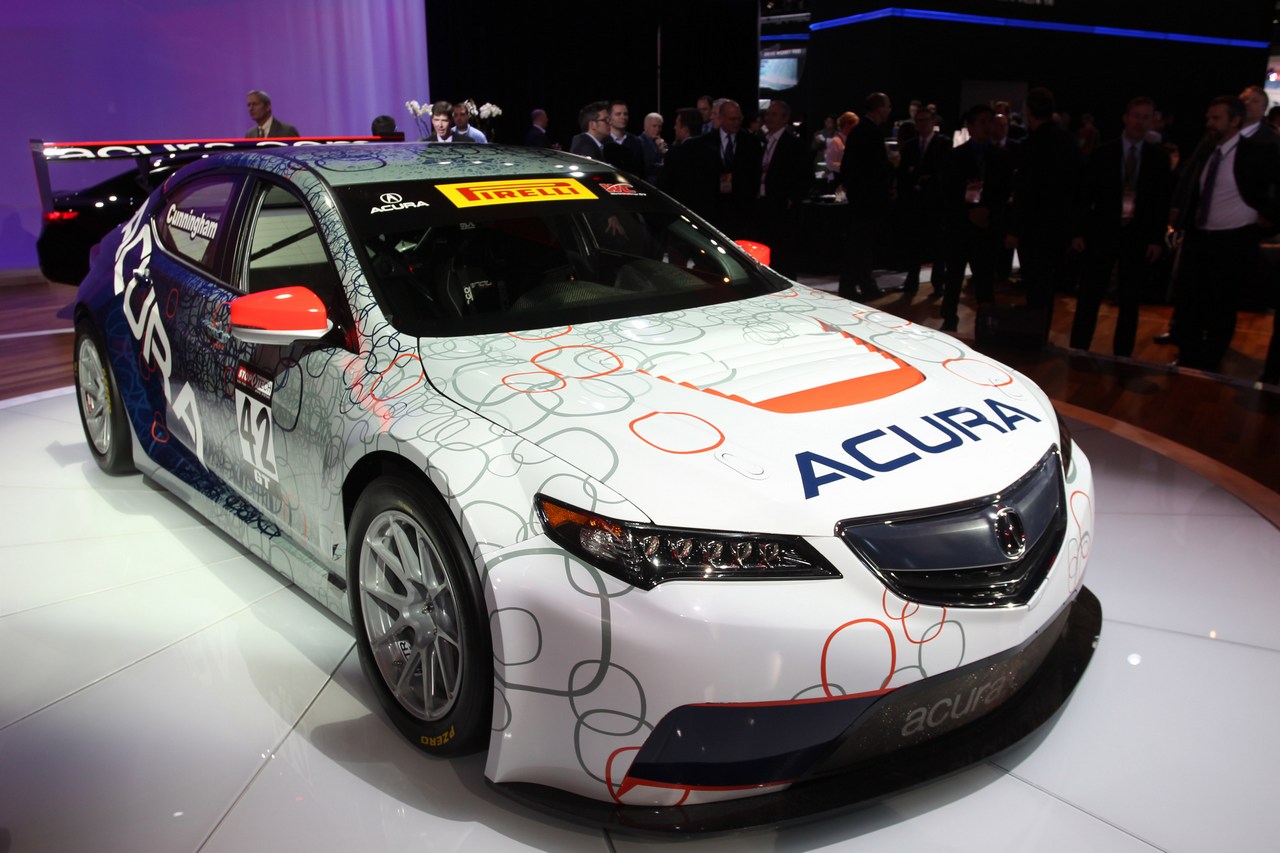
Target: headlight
[1064, 444]
[646, 555]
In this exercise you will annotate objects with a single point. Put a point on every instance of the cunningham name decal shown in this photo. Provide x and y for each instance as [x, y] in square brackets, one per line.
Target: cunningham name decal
[195, 226]
[477, 193]
[881, 450]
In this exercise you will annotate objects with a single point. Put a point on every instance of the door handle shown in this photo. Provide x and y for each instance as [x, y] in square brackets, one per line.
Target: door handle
[218, 334]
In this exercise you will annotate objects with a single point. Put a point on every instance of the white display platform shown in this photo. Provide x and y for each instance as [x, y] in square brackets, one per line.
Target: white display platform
[161, 690]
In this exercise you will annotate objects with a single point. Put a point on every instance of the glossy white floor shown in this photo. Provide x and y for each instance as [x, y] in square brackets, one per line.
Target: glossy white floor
[160, 690]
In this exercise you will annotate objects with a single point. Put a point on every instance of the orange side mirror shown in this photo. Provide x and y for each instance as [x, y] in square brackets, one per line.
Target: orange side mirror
[279, 316]
[759, 251]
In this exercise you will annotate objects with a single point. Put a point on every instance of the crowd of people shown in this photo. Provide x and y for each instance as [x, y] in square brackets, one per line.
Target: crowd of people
[1086, 214]
[747, 182]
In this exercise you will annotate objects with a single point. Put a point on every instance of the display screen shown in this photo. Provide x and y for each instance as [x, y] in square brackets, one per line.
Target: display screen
[779, 73]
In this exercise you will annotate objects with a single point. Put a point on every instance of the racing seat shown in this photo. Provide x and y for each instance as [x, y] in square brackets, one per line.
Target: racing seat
[467, 286]
[403, 282]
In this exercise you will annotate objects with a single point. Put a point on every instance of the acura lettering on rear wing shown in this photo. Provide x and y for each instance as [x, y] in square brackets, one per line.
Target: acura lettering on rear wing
[43, 153]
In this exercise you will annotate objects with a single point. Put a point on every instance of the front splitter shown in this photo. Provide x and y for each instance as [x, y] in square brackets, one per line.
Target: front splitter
[863, 784]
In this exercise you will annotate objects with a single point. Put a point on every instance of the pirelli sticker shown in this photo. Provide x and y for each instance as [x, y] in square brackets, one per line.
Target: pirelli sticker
[480, 193]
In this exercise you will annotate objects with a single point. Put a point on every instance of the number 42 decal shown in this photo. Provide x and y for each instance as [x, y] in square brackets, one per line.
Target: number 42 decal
[253, 413]
[255, 437]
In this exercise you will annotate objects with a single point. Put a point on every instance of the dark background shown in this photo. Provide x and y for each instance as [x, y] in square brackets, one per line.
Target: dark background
[560, 56]
[941, 61]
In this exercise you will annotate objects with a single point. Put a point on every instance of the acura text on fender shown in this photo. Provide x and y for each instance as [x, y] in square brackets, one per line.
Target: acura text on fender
[142, 313]
[881, 450]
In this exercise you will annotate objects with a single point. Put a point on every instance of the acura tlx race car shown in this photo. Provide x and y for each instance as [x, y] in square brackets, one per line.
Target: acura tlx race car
[681, 542]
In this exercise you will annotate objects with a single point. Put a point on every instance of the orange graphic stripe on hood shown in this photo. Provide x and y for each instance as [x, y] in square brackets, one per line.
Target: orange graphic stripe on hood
[834, 395]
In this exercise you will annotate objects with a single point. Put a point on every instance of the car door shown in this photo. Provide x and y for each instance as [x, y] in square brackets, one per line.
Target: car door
[176, 306]
[278, 405]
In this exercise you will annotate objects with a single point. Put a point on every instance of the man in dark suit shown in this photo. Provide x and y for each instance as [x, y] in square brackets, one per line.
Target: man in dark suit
[1258, 128]
[688, 171]
[920, 165]
[705, 104]
[867, 177]
[786, 172]
[1260, 125]
[264, 123]
[536, 135]
[905, 131]
[974, 191]
[736, 181]
[1223, 201]
[1252, 127]
[594, 121]
[1045, 206]
[1125, 209]
[631, 158]
[1002, 139]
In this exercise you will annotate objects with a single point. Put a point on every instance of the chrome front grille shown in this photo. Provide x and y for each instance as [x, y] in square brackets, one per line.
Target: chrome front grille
[991, 552]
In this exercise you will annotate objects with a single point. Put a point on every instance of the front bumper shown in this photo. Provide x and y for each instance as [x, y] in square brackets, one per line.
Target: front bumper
[838, 754]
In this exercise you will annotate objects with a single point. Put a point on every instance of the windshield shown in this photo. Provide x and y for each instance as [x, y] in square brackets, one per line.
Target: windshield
[496, 256]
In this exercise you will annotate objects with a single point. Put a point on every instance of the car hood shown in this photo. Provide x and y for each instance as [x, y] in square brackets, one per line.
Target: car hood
[783, 413]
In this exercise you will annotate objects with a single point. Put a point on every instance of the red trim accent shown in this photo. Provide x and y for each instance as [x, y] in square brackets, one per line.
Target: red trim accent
[634, 781]
[826, 647]
[241, 139]
[909, 609]
[1008, 380]
[719, 432]
[400, 360]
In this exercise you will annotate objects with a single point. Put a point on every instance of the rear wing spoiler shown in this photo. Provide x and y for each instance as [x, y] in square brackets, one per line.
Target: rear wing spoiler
[148, 153]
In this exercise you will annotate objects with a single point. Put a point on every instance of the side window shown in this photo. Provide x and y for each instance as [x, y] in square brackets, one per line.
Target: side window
[194, 221]
[286, 248]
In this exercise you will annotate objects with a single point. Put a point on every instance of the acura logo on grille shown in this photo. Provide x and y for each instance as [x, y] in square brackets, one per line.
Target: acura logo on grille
[1010, 534]
[391, 198]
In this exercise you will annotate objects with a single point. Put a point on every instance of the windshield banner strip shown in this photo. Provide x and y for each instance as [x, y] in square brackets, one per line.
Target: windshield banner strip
[478, 193]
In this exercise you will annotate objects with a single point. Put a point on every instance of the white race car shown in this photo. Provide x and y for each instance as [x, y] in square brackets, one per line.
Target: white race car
[598, 490]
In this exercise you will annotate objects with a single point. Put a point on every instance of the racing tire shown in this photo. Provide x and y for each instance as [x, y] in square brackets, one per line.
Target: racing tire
[106, 428]
[418, 610]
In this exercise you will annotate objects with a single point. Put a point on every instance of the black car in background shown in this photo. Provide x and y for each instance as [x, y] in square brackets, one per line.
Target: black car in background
[73, 221]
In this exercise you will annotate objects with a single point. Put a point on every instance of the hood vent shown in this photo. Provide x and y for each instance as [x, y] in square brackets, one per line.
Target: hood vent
[825, 370]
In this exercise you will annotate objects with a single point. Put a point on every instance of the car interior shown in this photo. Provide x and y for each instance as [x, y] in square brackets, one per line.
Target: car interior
[522, 268]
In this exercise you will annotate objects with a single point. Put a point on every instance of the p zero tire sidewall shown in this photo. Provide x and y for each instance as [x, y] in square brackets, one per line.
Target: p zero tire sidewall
[466, 726]
[117, 457]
